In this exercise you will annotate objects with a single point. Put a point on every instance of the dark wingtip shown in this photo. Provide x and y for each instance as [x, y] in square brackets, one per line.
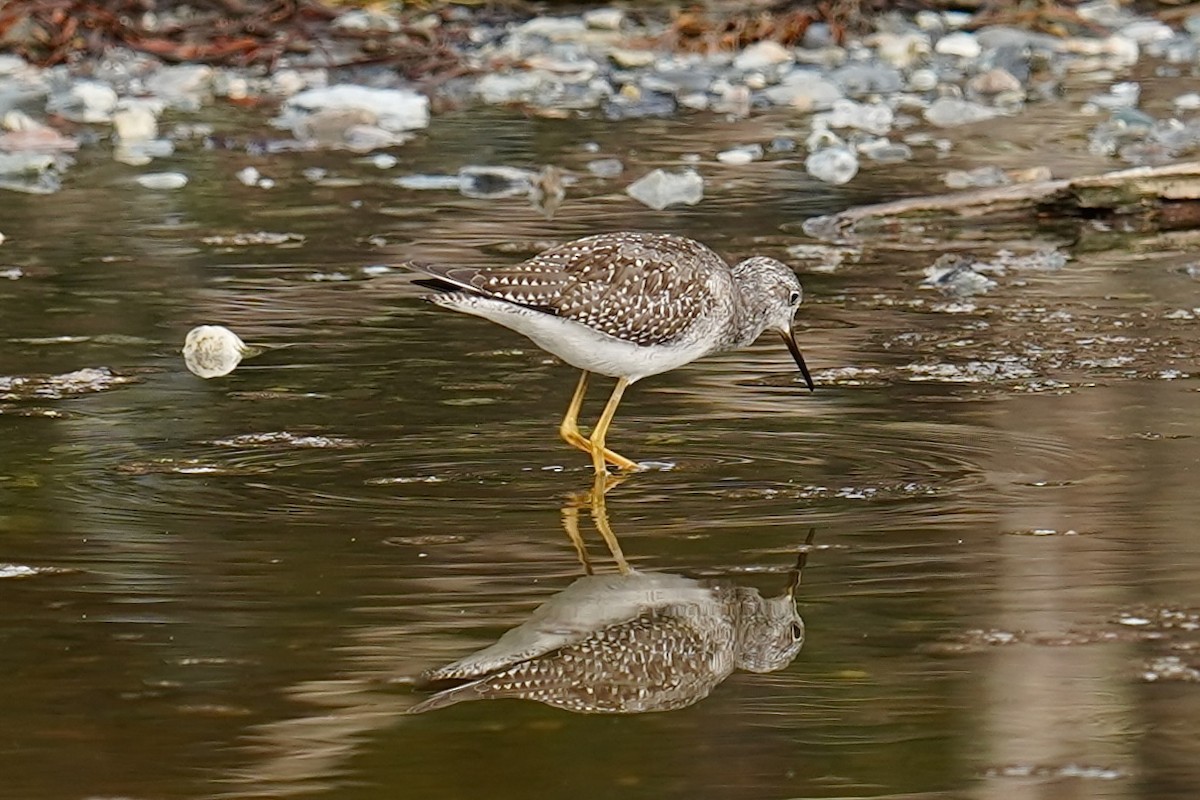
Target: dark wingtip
[436, 284]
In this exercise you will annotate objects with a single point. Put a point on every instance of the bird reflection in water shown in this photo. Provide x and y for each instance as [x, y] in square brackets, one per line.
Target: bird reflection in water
[629, 642]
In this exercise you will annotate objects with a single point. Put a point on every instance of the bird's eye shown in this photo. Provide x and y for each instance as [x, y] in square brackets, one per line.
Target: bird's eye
[797, 632]
[793, 298]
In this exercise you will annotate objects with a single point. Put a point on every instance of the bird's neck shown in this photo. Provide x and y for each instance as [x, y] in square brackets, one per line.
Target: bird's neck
[749, 319]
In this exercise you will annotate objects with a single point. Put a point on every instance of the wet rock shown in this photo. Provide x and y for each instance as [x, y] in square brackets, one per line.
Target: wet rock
[391, 109]
[955, 276]
[81, 381]
[212, 351]
[84, 101]
[834, 165]
[604, 19]
[25, 134]
[875, 118]
[762, 55]
[959, 44]
[948, 112]
[901, 50]
[185, 87]
[491, 183]
[162, 181]
[501, 88]
[978, 178]
[606, 167]
[429, 182]
[1118, 96]
[632, 59]
[994, 82]
[289, 440]
[861, 79]
[661, 189]
[135, 121]
[737, 156]
[269, 238]
[804, 90]
[638, 104]
[885, 151]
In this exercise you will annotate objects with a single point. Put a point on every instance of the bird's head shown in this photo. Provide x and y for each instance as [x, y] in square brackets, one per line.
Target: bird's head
[773, 293]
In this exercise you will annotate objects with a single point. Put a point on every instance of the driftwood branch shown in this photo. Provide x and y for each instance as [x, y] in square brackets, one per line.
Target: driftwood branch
[1142, 198]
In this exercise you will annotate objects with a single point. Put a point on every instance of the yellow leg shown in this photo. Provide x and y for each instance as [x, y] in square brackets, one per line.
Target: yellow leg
[599, 451]
[569, 429]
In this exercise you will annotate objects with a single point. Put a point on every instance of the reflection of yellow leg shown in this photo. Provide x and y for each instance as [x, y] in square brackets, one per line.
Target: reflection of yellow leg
[599, 452]
[569, 429]
[570, 518]
[600, 518]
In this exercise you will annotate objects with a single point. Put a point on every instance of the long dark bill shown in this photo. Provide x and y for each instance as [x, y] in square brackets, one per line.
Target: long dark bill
[790, 338]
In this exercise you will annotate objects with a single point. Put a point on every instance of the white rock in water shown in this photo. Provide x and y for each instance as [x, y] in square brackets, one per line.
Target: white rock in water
[632, 59]
[834, 165]
[510, 87]
[604, 19]
[761, 55]
[873, 118]
[395, 109]
[162, 180]
[960, 43]
[946, 112]
[211, 351]
[249, 176]
[660, 188]
[135, 121]
[739, 156]
[85, 101]
[184, 86]
[606, 167]
[805, 90]
[422, 182]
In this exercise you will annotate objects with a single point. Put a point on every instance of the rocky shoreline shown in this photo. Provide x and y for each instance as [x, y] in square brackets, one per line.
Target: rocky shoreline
[880, 96]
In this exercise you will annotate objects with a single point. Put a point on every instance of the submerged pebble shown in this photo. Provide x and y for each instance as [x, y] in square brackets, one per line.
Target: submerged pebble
[660, 188]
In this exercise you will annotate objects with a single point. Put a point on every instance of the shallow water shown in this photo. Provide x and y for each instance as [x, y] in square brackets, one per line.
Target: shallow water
[226, 587]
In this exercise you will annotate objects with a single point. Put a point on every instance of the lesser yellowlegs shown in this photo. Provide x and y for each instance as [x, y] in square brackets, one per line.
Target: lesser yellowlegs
[627, 305]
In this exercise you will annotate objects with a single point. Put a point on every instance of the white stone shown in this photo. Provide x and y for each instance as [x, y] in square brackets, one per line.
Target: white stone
[604, 19]
[959, 43]
[738, 156]
[632, 59]
[183, 86]
[805, 90]
[833, 165]
[162, 180]
[85, 101]
[762, 55]
[135, 121]
[555, 29]
[248, 176]
[873, 118]
[947, 112]
[902, 50]
[211, 351]
[394, 109]
[509, 87]
[923, 80]
[660, 188]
